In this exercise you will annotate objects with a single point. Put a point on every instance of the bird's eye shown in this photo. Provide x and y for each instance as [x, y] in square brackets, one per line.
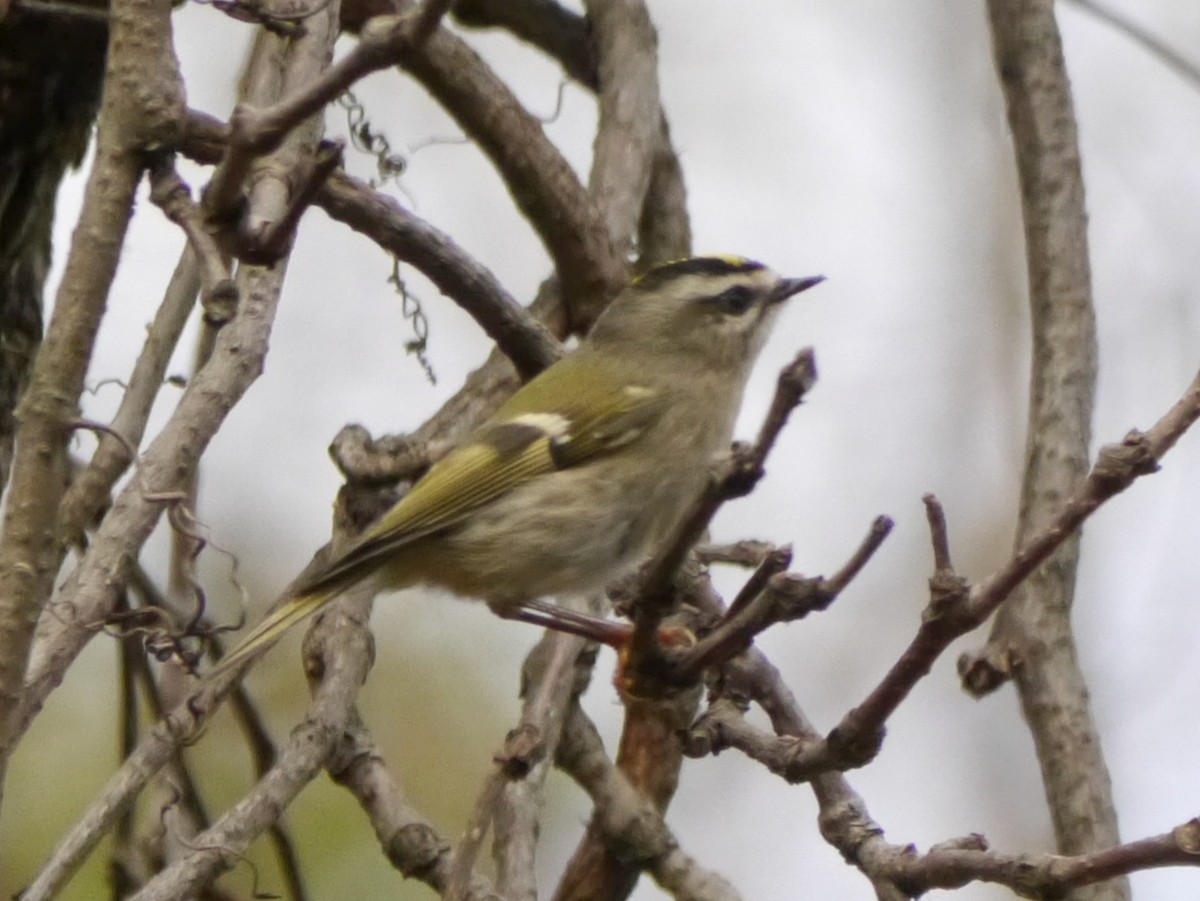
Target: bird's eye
[735, 301]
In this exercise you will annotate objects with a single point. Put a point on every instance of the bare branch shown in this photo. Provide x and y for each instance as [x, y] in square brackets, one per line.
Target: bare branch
[936, 515]
[249, 720]
[459, 276]
[747, 552]
[735, 476]
[140, 53]
[664, 230]
[512, 794]
[590, 266]
[555, 30]
[1033, 629]
[628, 131]
[171, 194]
[771, 596]
[428, 19]
[344, 666]
[412, 240]
[951, 614]
[409, 840]
[555, 674]
[628, 822]
[91, 589]
[1046, 875]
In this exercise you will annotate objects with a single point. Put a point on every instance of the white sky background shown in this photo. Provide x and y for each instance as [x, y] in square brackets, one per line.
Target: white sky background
[866, 141]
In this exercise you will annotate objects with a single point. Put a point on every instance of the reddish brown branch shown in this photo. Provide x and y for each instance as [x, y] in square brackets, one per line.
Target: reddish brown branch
[776, 597]
[952, 613]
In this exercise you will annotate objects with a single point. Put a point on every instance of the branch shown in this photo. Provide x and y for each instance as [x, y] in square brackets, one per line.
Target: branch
[590, 266]
[657, 710]
[542, 183]
[555, 30]
[172, 195]
[169, 463]
[631, 825]
[408, 839]
[89, 490]
[281, 175]
[249, 720]
[628, 129]
[896, 871]
[1033, 630]
[956, 863]
[88, 595]
[556, 672]
[771, 596]
[512, 794]
[140, 54]
[519, 335]
[664, 232]
[953, 613]
[735, 476]
[344, 661]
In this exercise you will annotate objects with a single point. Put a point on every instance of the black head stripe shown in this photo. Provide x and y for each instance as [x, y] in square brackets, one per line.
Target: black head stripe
[668, 272]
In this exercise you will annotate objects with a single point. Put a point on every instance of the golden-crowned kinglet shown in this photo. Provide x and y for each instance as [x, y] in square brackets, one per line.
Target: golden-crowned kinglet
[587, 466]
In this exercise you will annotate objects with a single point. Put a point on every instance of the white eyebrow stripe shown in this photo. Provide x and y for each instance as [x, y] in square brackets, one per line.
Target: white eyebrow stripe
[550, 424]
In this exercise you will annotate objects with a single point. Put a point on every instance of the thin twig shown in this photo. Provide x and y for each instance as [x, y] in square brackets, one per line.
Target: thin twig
[775, 598]
[775, 562]
[1116, 468]
[121, 879]
[735, 476]
[171, 194]
[91, 486]
[936, 516]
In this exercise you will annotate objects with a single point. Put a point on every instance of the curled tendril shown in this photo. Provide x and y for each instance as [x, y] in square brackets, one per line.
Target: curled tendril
[366, 139]
[410, 307]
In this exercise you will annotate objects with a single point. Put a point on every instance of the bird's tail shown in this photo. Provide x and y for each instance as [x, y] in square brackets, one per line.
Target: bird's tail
[278, 621]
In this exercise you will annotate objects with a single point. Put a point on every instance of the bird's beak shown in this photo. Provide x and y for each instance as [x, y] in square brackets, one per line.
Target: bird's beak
[786, 287]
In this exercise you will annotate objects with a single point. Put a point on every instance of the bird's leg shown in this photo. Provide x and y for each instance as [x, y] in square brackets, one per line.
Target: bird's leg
[552, 616]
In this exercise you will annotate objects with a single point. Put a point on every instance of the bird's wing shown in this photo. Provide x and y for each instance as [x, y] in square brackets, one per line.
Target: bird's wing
[520, 443]
[600, 413]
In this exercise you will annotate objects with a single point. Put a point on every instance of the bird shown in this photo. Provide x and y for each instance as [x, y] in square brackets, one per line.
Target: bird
[584, 470]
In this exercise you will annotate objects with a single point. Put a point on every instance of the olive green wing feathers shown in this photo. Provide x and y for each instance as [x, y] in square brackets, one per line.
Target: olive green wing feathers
[541, 429]
[576, 411]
